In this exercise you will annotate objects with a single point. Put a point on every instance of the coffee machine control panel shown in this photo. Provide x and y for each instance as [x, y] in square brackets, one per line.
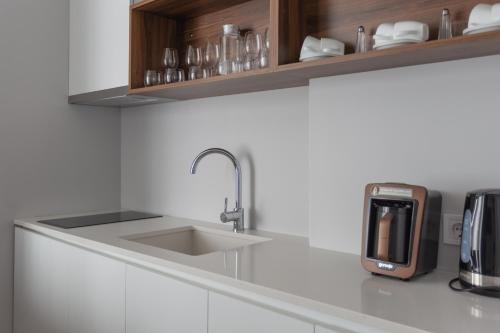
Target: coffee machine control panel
[392, 192]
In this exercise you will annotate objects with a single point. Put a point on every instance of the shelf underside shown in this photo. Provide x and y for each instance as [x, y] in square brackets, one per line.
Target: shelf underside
[298, 74]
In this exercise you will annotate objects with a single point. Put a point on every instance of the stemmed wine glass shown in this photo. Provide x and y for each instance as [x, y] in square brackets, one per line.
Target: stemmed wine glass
[194, 60]
[170, 61]
[210, 59]
[253, 47]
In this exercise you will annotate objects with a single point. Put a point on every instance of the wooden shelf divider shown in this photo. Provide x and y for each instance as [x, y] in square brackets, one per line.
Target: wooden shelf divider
[201, 19]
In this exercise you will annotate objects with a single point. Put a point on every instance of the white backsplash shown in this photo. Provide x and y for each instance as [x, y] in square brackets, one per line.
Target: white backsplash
[432, 125]
[266, 131]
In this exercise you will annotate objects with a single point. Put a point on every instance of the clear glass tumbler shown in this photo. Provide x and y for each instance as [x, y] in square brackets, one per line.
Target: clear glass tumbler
[150, 78]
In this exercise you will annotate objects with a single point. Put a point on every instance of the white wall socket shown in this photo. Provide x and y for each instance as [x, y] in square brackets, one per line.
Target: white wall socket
[452, 229]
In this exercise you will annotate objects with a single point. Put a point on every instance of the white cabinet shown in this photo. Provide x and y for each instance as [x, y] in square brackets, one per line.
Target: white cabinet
[228, 315]
[40, 284]
[159, 304]
[96, 292]
[99, 45]
[62, 288]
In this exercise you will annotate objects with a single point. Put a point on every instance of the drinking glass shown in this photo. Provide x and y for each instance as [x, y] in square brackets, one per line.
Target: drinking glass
[209, 59]
[264, 52]
[253, 46]
[238, 63]
[181, 75]
[194, 60]
[217, 57]
[206, 72]
[171, 75]
[150, 78]
[173, 59]
[160, 79]
[167, 56]
[193, 56]
[267, 39]
[195, 73]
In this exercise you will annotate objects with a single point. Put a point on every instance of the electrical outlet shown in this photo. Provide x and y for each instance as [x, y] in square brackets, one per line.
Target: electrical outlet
[452, 229]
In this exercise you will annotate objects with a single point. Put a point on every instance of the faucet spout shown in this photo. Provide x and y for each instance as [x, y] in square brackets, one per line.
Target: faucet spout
[237, 214]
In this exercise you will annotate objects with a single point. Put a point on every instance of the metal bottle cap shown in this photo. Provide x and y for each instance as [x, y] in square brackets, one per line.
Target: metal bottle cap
[231, 29]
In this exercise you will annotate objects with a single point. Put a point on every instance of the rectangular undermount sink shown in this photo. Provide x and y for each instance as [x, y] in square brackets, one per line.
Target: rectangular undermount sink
[195, 241]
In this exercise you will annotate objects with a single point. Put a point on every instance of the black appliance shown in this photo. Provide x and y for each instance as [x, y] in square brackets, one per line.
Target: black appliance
[480, 247]
[90, 220]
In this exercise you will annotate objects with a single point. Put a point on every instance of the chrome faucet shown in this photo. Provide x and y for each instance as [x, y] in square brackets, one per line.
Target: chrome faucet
[237, 214]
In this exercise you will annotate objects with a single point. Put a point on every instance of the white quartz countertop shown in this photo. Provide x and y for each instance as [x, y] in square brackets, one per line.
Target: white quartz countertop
[285, 273]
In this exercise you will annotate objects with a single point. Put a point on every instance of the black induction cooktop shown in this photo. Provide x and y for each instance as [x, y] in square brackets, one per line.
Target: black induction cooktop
[90, 220]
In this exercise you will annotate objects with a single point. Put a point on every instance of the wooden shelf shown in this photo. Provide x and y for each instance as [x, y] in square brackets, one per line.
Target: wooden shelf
[298, 74]
[184, 9]
[156, 23]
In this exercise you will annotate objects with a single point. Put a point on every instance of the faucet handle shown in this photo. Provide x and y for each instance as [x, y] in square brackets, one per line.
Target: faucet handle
[225, 205]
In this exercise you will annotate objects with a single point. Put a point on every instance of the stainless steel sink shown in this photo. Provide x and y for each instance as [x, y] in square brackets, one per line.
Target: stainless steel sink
[195, 241]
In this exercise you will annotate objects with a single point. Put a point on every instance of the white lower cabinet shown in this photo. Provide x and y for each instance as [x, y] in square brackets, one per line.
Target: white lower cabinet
[159, 304]
[40, 284]
[59, 288]
[96, 291]
[229, 315]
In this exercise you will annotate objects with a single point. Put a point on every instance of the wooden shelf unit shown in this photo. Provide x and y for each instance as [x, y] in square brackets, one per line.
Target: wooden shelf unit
[156, 24]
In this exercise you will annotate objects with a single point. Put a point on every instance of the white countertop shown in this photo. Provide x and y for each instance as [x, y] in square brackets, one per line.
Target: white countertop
[288, 274]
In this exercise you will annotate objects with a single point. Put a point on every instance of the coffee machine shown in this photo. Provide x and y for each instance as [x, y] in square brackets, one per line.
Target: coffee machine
[400, 229]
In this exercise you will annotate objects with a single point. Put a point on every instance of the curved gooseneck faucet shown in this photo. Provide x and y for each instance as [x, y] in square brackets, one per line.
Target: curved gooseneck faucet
[236, 216]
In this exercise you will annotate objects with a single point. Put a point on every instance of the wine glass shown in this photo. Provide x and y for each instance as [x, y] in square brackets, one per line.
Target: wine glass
[210, 59]
[194, 59]
[173, 59]
[253, 46]
[167, 54]
[193, 56]
[170, 61]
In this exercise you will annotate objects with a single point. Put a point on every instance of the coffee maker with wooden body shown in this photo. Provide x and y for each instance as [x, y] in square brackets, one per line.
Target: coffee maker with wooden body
[400, 229]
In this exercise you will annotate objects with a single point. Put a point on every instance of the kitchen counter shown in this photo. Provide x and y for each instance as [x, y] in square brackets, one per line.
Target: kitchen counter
[286, 274]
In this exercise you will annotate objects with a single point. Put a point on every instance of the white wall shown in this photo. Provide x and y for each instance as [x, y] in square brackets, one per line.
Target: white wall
[55, 158]
[266, 131]
[434, 125]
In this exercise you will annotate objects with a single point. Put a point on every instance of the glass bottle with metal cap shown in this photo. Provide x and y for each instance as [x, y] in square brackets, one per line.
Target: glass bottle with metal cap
[229, 48]
[361, 41]
[445, 28]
